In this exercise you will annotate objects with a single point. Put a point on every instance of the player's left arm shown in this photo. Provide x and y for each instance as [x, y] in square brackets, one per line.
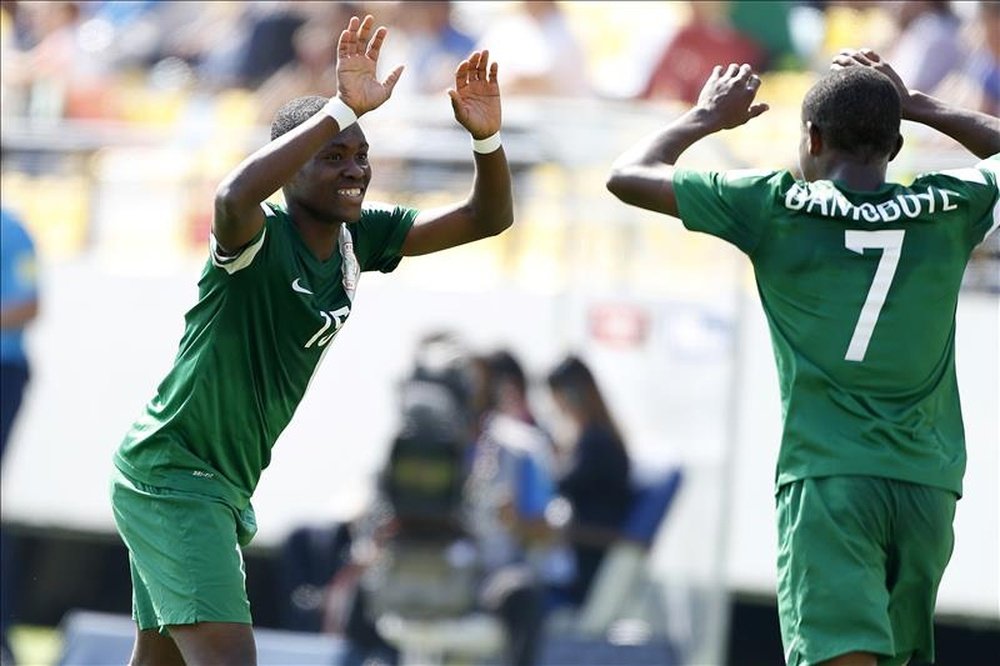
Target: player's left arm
[489, 209]
[643, 175]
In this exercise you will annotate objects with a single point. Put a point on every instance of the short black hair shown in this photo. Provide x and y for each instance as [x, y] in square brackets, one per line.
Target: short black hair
[855, 109]
[294, 113]
[505, 367]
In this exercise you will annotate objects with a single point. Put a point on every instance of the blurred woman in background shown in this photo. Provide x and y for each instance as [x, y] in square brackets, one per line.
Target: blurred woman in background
[595, 477]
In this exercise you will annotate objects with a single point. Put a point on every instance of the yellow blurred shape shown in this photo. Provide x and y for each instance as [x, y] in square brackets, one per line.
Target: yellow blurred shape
[55, 208]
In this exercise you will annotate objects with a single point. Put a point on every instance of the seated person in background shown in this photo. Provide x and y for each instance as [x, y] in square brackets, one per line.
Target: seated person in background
[510, 386]
[497, 509]
[596, 480]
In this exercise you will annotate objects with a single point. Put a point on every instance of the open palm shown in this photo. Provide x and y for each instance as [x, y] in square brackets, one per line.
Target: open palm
[357, 59]
[476, 95]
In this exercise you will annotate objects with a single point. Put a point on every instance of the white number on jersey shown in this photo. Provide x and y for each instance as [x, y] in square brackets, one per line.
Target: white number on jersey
[334, 318]
[891, 244]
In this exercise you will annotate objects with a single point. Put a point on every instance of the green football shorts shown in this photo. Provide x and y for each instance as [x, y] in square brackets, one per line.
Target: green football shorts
[184, 554]
[860, 559]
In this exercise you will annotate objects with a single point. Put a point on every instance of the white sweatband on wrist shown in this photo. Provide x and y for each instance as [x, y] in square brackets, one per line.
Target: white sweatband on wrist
[487, 145]
[339, 111]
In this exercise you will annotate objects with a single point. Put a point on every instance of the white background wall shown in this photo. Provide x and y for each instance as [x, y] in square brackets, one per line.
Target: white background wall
[104, 341]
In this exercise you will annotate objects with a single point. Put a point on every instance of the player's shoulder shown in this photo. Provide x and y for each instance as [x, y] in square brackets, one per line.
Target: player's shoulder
[735, 182]
[985, 173]
[740, 175]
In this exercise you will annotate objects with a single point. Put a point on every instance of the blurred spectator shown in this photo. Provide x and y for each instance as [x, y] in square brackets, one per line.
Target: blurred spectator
[539, 52]
[708, 39]
[313, 71]
[209, 38]
[18, 308]
[432, 46]
[510, 387]
[976, 81]
[767, 24]
[55, 72]
[504, 497]
[849, 22]
[596, 480]
[926, 47]
[269, 43]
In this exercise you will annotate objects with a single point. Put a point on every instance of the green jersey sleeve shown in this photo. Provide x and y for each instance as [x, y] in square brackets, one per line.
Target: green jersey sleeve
[244, 257]
[379, 236]
[975, 190]
[727, 204]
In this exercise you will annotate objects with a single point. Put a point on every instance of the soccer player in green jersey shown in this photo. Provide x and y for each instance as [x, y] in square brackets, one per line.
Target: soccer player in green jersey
[278, 287]
[859, 280]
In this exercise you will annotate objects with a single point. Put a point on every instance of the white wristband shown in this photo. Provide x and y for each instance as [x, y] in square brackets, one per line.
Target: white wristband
[339, 111]
[487, 145]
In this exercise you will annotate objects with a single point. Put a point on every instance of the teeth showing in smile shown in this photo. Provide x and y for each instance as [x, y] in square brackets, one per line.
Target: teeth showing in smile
[352, 192]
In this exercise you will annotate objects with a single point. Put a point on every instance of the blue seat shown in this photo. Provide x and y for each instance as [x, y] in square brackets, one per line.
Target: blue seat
[622, 577]
[650, 503]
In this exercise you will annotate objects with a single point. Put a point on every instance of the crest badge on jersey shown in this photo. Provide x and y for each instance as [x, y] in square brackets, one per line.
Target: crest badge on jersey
[351, 268]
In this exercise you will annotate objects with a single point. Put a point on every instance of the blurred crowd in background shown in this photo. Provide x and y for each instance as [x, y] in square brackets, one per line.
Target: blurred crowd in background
[145, 60]
[120, 118]
[90, 89]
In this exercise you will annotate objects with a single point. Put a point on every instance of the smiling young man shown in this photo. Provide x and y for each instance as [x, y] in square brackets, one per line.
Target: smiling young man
[859, 279]
[278, 287]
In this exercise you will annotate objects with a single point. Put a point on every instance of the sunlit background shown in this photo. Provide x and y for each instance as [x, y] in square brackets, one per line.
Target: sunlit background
[120, 118]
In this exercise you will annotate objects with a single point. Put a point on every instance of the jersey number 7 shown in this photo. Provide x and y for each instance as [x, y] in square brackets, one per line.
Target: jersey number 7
[890, 241]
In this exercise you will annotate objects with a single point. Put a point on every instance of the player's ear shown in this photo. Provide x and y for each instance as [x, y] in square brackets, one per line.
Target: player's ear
[899, 146]
[815, 138]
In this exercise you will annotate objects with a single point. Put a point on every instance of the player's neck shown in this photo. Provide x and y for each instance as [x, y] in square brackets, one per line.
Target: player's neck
[320, 237]
[855, 175]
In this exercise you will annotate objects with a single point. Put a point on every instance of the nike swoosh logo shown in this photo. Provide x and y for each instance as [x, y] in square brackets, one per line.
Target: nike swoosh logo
[299, 288]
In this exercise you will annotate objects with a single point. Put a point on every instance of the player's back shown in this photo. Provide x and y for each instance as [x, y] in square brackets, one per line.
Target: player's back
[860, 291]
[865, 284]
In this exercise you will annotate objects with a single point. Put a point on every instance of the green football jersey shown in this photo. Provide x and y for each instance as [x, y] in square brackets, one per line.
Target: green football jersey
[860, 291]
[263, 321]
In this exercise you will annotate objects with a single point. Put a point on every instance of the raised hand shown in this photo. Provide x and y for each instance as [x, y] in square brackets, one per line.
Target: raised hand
[357, 58]
[476, 95]
[728, 96]
[868, 58]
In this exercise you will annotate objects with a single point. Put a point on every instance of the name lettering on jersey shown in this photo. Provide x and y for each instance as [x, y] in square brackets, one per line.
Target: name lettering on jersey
[332, 319]
[824, 199]
[204, 475]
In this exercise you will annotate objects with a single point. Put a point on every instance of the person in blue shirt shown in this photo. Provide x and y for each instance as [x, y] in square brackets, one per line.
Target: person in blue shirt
[18, 307]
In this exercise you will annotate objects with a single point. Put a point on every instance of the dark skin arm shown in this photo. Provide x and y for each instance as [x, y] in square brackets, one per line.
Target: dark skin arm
[978, 132]
[643, 175]
[17, 316]
[238, 215]
[489, 209]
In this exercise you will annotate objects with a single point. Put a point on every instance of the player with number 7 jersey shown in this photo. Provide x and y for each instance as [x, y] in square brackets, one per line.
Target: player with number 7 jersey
[859, 279]
[859, 290]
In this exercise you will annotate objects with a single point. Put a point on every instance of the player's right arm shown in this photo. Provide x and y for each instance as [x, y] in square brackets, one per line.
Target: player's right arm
[238, 214]
[643, 175]
[978, 132]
